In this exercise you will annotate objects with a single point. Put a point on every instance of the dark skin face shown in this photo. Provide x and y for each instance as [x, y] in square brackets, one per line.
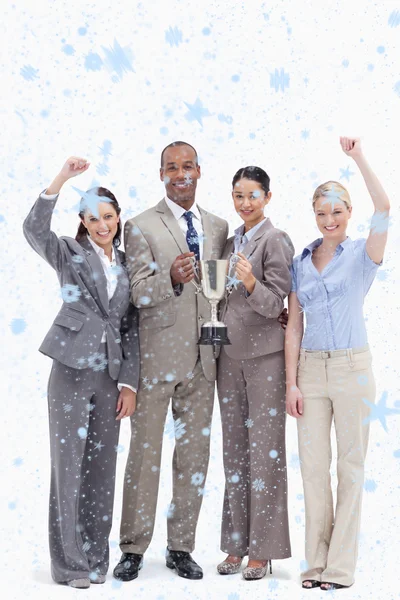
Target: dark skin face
[180, 173]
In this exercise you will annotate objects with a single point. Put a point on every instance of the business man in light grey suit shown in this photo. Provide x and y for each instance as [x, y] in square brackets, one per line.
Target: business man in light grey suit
[94, 346]
[160, 245]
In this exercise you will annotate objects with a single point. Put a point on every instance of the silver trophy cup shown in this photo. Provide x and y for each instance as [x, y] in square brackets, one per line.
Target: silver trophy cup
[210, 280]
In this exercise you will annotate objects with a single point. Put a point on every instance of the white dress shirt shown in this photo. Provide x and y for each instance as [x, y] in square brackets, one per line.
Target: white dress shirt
[110, 272]
[178, 213]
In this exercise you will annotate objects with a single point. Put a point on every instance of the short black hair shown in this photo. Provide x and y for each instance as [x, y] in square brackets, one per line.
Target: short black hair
[178, 143]
[254, 174]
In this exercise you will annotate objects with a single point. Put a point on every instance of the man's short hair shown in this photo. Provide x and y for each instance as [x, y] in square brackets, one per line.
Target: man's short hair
[179, 143]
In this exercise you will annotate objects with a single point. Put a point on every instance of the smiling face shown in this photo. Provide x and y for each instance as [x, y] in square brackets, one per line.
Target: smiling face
[250, 200]
[332, 218]
[102, 228]
[180, 173]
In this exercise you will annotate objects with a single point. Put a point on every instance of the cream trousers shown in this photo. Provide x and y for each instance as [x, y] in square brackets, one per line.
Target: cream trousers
[333, 384]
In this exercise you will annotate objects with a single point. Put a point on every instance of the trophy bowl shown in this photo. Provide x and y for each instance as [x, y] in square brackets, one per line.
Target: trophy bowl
[211, 282]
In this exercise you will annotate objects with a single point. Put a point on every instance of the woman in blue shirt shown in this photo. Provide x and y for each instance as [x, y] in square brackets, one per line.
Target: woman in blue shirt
[329, 374]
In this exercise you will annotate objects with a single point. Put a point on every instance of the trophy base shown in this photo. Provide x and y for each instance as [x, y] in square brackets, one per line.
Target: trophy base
[214, 335]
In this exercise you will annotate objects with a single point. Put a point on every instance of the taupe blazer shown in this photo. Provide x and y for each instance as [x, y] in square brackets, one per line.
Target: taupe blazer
[169, 324]
[252, 323]
[76, 333]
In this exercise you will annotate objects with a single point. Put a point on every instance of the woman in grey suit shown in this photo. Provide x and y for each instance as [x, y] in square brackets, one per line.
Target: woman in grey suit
[251, 385]
[94, 344]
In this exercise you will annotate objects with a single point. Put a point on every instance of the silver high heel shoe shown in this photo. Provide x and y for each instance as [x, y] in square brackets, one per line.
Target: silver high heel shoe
[229, 568]
[251, 573]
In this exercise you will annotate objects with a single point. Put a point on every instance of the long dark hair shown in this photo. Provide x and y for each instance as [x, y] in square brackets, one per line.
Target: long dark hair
[254, 174]
[104, 192]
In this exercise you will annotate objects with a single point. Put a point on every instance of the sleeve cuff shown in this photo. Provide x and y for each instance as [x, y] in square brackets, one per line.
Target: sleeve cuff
[121, 385]
[48, 196]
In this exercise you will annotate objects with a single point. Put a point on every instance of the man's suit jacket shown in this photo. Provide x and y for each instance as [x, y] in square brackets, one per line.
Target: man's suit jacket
[252, 323]
[76, 333]
[169, 324]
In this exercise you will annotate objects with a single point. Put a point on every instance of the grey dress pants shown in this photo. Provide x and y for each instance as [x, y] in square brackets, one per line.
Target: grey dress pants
[83, 443]
[252, 401]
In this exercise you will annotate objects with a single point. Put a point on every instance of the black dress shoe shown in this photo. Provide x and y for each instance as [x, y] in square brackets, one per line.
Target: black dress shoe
[128, 567]
[183, 564]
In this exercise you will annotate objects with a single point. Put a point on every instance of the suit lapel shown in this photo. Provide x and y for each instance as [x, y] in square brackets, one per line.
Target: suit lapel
[250, 248]
[99, 288]
[207, 233]
[172, 225]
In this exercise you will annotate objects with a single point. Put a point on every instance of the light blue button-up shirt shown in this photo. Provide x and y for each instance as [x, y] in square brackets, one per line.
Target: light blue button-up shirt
[333, 299]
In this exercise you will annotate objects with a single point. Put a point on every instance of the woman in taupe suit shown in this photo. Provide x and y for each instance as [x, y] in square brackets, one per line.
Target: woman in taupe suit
[94, 346]
[251, 385]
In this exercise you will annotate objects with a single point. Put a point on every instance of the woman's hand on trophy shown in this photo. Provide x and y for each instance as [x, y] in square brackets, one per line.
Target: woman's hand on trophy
[182, 269]
[244, 273]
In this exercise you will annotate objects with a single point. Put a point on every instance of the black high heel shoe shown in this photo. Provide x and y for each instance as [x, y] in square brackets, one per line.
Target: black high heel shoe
[314, 584]
[332, 586]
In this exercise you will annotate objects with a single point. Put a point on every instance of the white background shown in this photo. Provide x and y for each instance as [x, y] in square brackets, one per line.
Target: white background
[343, 64]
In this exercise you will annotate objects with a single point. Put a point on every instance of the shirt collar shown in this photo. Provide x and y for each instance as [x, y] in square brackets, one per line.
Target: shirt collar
[178, 211]
[100, 250]
[311, 247]
[239, 232]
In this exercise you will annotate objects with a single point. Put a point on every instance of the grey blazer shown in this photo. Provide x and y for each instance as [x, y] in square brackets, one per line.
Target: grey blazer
[169, 324]
[252, 323]
[76, 333]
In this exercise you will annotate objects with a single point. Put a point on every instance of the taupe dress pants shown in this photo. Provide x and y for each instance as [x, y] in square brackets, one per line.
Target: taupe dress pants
[192, 406]
[83, 442]
[252, 401]
[334, 385]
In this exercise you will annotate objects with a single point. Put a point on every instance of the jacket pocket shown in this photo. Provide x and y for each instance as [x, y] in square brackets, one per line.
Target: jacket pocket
[158, 321]
[68, 322]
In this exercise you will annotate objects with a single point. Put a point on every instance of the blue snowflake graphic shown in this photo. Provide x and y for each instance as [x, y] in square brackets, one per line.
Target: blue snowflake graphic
[70, 293]
[102, 169]
[232, 282]
[17, 462]
[197, 112]
[370, 485]
[93, 62]
[249, 423]
[29, 73]
[332, 196]
[346, 173]
[379, 411]
[90, 201]
[380, 222]
[118, 60]
[394, 19]
[396, 88]
[18, 326]
[305, 134]
[197, 479]
[105, 149]
[279, 80]
[97, 361]
[77, 258]
[258, 485]
[173, 36]
[68, 49]
[175, 429]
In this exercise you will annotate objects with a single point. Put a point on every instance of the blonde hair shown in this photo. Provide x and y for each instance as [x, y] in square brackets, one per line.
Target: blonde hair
[332, 187]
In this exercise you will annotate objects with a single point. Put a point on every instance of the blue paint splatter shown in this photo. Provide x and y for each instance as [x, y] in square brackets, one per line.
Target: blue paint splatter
[305, 134]
[279, 80]
[105, 149]
[380, 49]
[394, 19]
[2, 219]
[345, 63]
[12, 505]
[225, 119]
[18, 326]
[173, 36]
[396, 88]
[163, 130]
[150, 150]
[370, 67]
[68, 49]
[362, 380]
[44, 113]
[82, 30]
[118, 60]
[29, 73]
[396, 453]
[70, 292]
[67, 93]
[206, 31]
[370, 485]
[382, 275]
[102, 169]
[93, 62]
[18, 461]
[197, 112]
[235, 78]
[132, 192]
[252, 136]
